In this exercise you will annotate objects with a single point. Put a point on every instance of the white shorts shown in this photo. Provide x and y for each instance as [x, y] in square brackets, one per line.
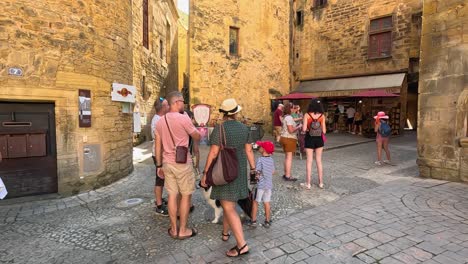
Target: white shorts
[263, 195]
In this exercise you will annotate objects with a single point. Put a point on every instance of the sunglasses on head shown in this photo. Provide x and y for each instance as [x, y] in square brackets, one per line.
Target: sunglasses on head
[161, 99]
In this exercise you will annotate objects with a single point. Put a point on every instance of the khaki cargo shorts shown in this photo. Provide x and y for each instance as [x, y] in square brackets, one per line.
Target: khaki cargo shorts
[179, 178]
[277, 131]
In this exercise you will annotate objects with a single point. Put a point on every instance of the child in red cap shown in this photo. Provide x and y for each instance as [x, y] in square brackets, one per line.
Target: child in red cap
[265, 168]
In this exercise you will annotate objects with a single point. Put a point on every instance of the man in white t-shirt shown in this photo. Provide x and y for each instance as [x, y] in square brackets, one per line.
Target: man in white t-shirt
[162, 107]
[350, 121]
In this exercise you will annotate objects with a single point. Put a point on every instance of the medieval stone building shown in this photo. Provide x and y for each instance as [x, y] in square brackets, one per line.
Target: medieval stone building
[155, 56]
[443, 91]
[343, 48]
[239, 49]
[60, 130]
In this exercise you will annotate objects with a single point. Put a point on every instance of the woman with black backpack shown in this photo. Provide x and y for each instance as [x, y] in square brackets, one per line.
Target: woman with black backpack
[384, 131]
[313, 126]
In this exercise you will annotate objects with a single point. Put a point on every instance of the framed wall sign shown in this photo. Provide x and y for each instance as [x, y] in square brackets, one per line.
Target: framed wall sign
[123, 93]
[84, 102]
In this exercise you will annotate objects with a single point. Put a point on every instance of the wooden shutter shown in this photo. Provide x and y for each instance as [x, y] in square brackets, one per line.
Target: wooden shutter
[145, 24]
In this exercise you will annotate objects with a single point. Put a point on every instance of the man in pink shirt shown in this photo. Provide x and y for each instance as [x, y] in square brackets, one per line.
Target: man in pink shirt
[174, 129]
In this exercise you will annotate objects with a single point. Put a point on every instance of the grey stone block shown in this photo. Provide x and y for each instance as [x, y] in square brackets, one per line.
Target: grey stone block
[273, 253]
[390, 260]
[377, 253]
[300, 255]
[430, 247]
[403, 243]
[367, 242]
[366, 258]
[446, 260]
[312, 251]
[289, 248]
[405, 258]
[418, 253]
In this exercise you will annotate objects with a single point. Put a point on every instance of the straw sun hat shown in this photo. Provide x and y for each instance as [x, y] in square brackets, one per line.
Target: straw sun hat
[230, 107]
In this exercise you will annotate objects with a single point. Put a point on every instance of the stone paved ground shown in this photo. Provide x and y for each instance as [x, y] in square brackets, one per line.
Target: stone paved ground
[366, 214]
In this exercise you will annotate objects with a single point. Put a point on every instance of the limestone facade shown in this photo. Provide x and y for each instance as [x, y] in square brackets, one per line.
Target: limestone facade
[261, 66]
[63, 46]
[443, 91]
[333, 40]
[157, 64]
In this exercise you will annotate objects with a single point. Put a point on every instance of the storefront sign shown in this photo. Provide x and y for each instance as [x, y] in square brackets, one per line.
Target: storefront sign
[84, 102]
[123, 93]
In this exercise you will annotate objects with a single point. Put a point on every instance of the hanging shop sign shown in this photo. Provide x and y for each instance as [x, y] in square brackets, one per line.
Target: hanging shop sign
[201, 114]
[123, 93]
[84, 102]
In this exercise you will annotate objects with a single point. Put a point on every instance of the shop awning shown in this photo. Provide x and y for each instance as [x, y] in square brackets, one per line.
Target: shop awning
[295, 96]
[351, 85]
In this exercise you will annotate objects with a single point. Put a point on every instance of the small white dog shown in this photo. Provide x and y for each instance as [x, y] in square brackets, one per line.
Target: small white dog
[215, 204]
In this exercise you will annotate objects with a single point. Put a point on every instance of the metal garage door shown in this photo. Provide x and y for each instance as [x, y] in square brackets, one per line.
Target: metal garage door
[28, 148]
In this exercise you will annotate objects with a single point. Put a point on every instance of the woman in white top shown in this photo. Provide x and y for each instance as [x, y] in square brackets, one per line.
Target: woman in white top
[289, 141]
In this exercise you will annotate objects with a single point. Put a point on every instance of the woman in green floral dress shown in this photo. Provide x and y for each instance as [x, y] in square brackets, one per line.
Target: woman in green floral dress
[237, 136]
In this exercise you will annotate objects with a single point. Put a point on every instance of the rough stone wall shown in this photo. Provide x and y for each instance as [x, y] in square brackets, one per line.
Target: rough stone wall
[63, 46]
[183, 48]
[334, 39]
[443, 91]
[160, 70]
[263, 61]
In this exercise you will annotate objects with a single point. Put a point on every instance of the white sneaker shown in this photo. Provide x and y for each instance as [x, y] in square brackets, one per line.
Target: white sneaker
[379, 163]
[387, 162]
[305, 185]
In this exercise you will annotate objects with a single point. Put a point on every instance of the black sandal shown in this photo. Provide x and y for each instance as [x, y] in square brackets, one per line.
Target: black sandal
[228, 235]
[238, 250]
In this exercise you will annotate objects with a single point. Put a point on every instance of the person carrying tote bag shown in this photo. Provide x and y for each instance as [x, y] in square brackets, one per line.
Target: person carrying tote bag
[224, 167]
[237, 136]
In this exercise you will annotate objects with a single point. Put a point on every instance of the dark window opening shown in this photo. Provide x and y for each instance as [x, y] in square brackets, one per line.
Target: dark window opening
[168, 43]
[161, 49]
[297, 55]
[299, 18]
[320, 3]
[233, 41]
[145, 24]
[380, 37]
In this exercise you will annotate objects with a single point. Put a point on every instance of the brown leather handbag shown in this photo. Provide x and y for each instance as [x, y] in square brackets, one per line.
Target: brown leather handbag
[181, 152]
[224, 168]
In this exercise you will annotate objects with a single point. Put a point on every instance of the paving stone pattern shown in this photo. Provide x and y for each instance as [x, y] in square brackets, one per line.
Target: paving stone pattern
[387, 216]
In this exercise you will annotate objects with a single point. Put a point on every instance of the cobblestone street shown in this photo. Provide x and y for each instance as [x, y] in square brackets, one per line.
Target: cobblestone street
[365, 214]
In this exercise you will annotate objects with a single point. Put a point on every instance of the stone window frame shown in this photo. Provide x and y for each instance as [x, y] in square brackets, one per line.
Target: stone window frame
[382, 32]
[168, 42]
[319, 4]
[145, 26]
[231, 51]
